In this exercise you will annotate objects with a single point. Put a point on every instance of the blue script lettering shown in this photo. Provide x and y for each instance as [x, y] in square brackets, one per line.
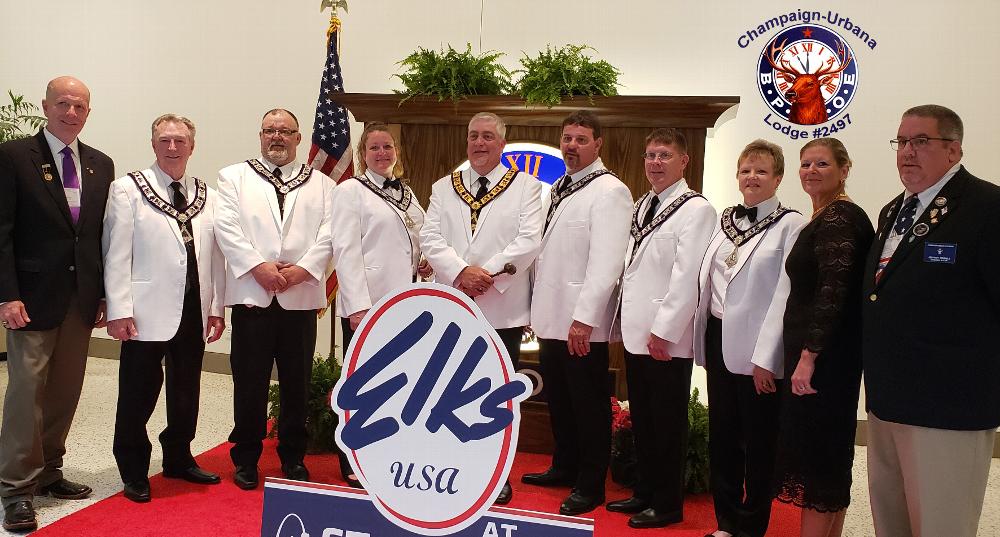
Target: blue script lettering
[443, 482]
[358, 433]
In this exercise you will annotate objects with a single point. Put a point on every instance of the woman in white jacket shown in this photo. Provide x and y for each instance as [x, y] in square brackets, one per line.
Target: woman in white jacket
[738, 326]
[374, 226]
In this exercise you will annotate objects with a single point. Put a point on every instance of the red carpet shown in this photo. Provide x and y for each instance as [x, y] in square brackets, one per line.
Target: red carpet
[183, 509]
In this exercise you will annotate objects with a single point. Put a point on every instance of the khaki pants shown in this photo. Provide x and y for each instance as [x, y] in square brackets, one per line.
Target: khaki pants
[926, 482]
[45, 372]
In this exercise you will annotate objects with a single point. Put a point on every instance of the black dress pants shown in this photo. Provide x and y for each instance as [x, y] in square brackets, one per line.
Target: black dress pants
[743, 437]
[139, 380]
[579, 401]
[263, 337]
[658, 393]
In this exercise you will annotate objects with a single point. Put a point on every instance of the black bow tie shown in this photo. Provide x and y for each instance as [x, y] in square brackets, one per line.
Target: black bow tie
[750, 213]
[392, 183]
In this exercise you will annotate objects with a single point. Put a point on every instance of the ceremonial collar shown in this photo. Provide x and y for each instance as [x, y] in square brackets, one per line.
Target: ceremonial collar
[402, 203]
[285, 184]
[475, 205]
[181, 215]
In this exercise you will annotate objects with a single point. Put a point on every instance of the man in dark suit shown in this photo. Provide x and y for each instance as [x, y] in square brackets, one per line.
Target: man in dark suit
[931, 315]
[53, 189]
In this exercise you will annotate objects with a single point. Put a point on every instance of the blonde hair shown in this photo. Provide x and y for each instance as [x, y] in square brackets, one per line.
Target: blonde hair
[397, 169]
[763, 148]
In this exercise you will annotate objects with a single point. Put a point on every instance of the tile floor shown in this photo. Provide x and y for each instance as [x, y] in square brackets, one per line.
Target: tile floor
[89, 459]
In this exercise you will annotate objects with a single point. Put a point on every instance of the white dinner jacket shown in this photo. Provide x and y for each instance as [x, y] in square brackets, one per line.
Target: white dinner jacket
[508, 230]
[659, 291]
[754, 307]
[145, 262]
[251, 231]
[373, 250]
[580, 263]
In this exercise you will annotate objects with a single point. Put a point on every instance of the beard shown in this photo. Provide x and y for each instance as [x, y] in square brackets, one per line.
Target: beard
[276, 154]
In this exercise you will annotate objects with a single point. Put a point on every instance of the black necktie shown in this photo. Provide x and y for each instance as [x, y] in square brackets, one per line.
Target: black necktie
[905, 217]
[566, 180]
[750, 213]
[281, 197]
[482, 188]
[392, 183]
[479, 195]
[187, 234]
[651, 211]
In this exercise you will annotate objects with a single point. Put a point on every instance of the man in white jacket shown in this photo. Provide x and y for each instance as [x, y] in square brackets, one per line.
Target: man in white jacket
[273, 226]
[573, 303]
[164, 276]
[481, 220]
[671, 227]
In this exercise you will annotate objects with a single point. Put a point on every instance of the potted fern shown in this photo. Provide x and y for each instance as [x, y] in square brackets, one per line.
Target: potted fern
[451, 74]
[18, 119]
[565, 72]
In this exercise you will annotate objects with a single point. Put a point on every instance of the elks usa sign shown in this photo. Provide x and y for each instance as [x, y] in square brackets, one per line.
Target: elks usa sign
[429, 416]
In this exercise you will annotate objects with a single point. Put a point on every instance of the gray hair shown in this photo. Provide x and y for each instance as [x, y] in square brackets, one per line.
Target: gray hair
[497, 122]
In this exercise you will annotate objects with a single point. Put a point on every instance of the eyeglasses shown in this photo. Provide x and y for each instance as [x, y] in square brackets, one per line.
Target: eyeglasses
[662, 157]
[917, 142]
[285, 133]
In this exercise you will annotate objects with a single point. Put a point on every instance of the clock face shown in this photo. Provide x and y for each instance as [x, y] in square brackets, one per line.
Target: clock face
[807, 50]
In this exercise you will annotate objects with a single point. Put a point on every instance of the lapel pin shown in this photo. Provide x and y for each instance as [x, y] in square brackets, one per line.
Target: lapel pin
[47, 172]
[921, 229]
[944, 211]
[90, 171]
[934, 213]
[940, 201]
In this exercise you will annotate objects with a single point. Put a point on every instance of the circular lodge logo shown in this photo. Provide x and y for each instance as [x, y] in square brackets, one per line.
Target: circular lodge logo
[807, 74]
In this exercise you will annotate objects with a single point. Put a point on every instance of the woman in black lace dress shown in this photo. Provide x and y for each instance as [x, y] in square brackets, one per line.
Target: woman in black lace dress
[822, 339]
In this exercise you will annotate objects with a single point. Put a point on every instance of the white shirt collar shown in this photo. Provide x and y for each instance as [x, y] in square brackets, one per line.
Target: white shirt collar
[766, 207]
[931, 192]
[671, 192]
[375, 178]
[596, 165]
[56, 145]
[287, 171]
[493, 177]
[163, 181]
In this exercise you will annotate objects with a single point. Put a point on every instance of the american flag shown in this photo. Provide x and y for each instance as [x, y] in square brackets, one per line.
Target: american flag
[331, 137]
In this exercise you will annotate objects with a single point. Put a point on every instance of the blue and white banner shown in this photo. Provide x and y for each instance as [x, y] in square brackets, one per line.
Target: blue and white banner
[295, 509]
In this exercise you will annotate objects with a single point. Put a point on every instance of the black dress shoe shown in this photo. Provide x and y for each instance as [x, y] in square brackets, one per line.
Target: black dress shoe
[578, 503]
[246, 477]
[631, 505]
[138, 490]
[67, 490]
[295, 471]
[193, 474]
[549, 478]
[651, 518]
[19, 516]
[346, 472]
[506, 493]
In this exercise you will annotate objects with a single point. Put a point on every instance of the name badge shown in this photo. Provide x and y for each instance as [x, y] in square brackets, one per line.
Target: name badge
[72, 197]
[940, 252]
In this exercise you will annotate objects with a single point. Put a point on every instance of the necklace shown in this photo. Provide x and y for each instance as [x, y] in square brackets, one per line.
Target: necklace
[841, 196]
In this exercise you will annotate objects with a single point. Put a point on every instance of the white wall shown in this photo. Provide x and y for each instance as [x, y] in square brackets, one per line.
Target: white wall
[224, 62]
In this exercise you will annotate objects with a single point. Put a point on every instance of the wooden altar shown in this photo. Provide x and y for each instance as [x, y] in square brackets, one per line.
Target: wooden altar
[432, 137]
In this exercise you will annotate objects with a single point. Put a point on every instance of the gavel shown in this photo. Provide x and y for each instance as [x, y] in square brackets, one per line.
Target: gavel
[508, 268]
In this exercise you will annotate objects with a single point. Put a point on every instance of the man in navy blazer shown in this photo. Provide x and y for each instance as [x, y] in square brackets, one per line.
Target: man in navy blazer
[931, 315]
[53, 189]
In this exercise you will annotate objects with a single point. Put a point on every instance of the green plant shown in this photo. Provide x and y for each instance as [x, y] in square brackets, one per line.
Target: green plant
[454, 75]
[565, 71]
[696, 476]
[321, 422]
[18, 118]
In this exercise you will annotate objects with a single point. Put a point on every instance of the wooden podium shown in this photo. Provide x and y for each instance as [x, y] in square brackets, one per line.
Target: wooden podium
[432, 136]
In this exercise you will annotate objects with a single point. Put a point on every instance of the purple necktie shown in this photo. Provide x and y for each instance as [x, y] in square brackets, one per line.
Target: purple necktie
[70, 178]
